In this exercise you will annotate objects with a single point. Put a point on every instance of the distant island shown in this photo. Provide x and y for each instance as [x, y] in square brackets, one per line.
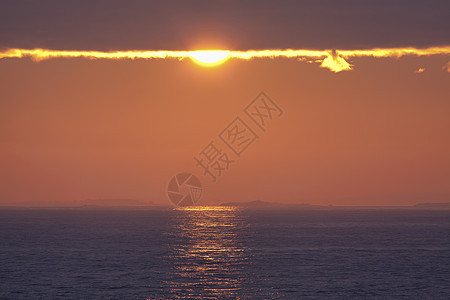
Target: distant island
[87, 203]
[114, 202]
[444, 205]
[119, 203]
[271, 205]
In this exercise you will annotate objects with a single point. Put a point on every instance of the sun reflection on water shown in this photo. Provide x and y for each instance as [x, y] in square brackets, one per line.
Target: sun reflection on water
[208, 257]
[207, 208]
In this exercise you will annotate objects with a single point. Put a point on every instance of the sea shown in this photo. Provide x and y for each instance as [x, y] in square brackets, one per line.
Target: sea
[224, 253]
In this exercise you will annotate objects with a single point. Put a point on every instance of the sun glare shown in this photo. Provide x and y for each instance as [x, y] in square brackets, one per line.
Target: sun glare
[209, 57]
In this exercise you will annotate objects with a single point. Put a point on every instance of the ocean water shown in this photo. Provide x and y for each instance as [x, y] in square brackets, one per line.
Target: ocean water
[224, 253]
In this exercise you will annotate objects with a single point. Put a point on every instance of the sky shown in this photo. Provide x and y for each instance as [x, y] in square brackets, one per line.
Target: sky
[371, 128]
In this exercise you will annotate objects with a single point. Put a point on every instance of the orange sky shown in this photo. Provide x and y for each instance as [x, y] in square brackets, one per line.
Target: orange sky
[74, 129]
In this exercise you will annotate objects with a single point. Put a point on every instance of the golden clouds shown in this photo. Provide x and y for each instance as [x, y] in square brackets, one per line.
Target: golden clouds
[335, 63]
[419, 70]
[41, 54]
[334, 60]
[447, 67]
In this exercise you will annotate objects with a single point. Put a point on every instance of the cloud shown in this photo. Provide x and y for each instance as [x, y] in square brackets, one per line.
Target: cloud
[233, 24]
[447, 67]
[334, 60]
[335, 63]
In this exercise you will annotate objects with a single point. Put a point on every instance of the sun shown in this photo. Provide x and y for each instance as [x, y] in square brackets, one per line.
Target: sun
[209, 57]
